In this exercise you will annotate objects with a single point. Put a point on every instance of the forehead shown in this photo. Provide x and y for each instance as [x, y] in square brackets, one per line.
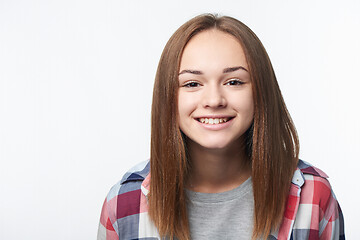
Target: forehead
[212, 48]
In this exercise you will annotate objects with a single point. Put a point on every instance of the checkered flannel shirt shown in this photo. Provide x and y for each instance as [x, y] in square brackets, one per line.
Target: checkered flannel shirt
[312, 211]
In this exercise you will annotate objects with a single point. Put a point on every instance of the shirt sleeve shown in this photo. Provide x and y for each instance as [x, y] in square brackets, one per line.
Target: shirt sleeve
[331, 226]
[106, 230]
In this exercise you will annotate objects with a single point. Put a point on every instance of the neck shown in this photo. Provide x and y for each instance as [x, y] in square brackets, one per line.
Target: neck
[217, 170]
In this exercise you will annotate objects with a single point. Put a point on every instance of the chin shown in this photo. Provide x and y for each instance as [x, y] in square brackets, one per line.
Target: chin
[214, 146]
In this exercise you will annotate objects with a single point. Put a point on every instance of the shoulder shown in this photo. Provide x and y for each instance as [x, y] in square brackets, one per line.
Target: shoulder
[123, 205]
[131, 180]
[307, 168]
[124, 198]
[315, 186]
[318, 211]
[312, 209]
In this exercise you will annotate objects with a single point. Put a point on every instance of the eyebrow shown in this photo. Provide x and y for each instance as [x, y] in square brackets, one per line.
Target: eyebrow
[233, 69]
[226, 70]
[196, 72]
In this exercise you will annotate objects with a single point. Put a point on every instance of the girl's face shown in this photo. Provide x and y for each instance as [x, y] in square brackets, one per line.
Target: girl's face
[215, 101]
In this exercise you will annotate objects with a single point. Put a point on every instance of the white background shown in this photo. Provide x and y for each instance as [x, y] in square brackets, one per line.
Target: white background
[76, 81]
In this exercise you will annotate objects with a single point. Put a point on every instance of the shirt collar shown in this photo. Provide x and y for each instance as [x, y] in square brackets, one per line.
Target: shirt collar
[298, 178]
[137, 173]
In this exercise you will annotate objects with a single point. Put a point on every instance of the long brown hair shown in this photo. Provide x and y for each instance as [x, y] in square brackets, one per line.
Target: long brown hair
[273, 148]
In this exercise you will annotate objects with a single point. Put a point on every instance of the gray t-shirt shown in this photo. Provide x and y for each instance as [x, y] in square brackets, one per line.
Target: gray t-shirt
[226, 215]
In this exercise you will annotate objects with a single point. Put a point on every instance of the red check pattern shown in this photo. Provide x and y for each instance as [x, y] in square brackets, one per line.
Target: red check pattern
[312, 210]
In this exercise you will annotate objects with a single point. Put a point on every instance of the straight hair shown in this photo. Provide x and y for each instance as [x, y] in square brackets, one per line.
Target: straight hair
[273, 145]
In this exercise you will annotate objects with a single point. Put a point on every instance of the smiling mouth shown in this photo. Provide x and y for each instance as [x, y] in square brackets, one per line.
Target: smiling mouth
[214, 120]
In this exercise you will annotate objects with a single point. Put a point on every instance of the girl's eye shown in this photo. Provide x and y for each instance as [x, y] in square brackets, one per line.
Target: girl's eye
[191, 84]
[234, 82]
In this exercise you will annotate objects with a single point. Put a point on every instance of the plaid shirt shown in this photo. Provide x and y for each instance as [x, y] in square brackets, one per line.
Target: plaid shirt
[312, 211]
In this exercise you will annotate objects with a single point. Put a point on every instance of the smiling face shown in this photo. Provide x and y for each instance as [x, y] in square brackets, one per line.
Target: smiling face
[215, 101]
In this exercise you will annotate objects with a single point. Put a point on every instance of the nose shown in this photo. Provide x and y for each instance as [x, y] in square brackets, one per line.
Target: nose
[213, 97]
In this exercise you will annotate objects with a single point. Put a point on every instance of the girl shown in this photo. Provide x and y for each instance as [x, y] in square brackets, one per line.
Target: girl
[224, 151]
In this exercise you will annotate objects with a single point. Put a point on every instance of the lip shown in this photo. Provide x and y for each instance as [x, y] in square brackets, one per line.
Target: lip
[214, 116]
[215, 127]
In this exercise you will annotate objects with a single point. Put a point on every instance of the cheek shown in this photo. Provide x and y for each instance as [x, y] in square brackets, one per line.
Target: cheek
[182, 110]
[245, 104]
[186, 104]
[250, 107]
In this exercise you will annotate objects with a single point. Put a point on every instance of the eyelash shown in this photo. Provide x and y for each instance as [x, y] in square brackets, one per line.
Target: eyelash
[188, 84]
[236, 81]
[232, 82]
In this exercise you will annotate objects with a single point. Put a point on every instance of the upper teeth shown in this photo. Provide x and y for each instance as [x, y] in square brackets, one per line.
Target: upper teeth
[213, 120]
